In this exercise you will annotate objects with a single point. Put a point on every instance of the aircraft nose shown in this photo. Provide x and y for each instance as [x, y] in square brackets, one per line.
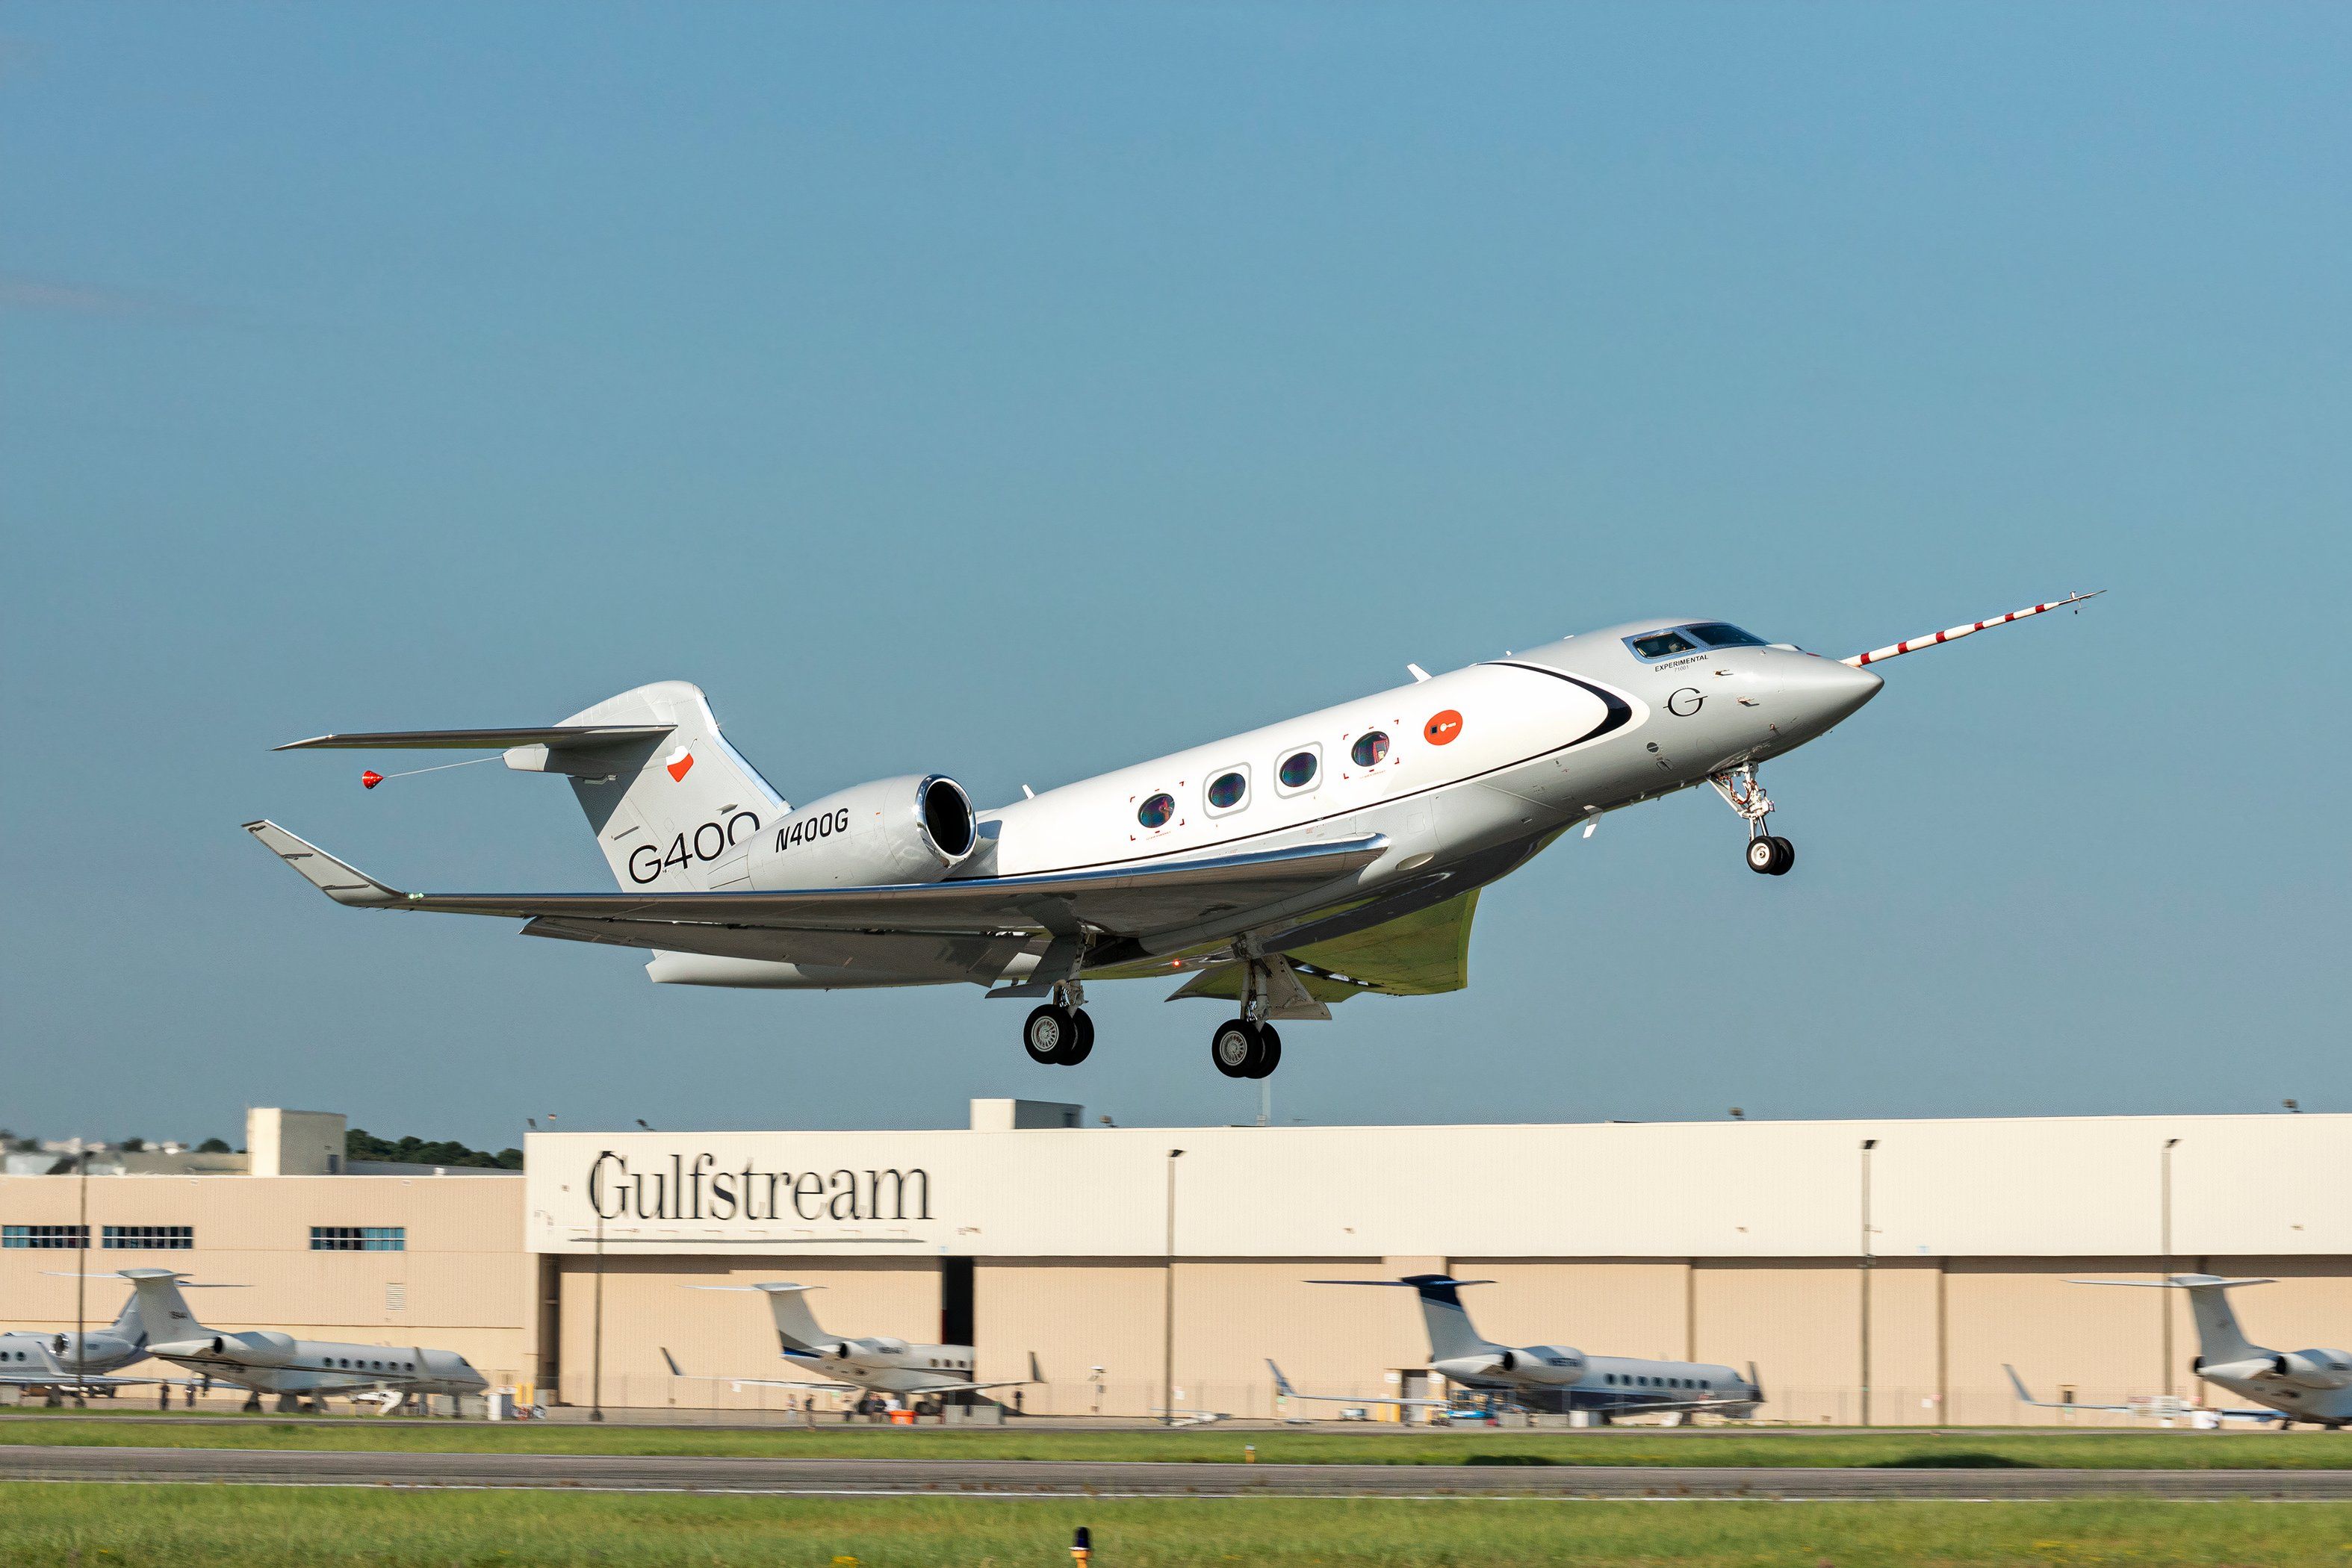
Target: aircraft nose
[1825, 692]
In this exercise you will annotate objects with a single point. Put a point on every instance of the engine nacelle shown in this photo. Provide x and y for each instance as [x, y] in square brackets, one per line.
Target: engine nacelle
[2314, 1368]
[1486, 1363]
[916, 828]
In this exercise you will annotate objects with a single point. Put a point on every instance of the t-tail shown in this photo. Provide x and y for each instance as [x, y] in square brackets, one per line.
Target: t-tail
[157, 1311]
[1451, 1334]
[2220, 1340]
[797, 1330]
[665, 794]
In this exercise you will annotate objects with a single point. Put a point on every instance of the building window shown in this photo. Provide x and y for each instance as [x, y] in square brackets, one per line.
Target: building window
[75, 1237]
[150, 1238]
[359, 1239]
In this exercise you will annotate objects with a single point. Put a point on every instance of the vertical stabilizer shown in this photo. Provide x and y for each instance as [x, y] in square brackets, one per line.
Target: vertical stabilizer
[796, 1326]
[2218, 1338]
[158, 1312]
[1451, 1334]
[666, 811]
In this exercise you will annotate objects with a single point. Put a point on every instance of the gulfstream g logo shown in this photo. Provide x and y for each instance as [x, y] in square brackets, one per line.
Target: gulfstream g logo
[697, 1189]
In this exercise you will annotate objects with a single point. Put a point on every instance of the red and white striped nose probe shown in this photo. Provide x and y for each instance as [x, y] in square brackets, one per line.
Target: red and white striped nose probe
[1915, 643]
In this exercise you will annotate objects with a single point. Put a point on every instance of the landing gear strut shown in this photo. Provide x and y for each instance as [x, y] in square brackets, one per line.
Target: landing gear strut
[1768, 854]
[1060, 1034]
[1248, 1046]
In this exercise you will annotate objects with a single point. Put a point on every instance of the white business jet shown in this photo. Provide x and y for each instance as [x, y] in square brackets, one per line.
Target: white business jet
[924, 1374]
[1283, 869]
[67, 1363]
[1550, 1376]
[2289, 1386]
[265, 1361]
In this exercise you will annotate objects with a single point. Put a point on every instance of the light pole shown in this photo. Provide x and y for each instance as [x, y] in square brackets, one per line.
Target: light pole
[596, 1331]
[2164, 1221]
[1868, 1145]
[1168, 1306]
[82, 1288]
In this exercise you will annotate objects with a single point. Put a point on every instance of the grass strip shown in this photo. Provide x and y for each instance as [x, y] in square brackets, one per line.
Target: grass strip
[265, 1527]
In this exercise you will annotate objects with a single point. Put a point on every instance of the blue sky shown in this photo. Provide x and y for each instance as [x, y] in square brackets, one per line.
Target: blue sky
[1019, 391]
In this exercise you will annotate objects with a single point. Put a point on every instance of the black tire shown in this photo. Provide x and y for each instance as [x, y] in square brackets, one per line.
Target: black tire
[1763, 856]
[1234, 1048]
[1047, 1034]
[1082, 1039]
[1787, 857]
[1269, 1052]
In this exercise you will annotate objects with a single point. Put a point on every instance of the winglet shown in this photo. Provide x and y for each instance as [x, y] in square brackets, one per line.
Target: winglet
[1281, 1384]
[343, 884]
[1034, 1375]
[2019, 1383]
[674, 1372]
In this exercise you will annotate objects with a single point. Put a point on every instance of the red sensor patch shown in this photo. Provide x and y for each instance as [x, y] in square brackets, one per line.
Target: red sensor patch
[1441, 728]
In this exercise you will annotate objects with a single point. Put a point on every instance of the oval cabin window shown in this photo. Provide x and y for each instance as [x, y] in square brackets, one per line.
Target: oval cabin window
[1227, 791]
[1155, 812]
[1298, 770]
[1369, 748]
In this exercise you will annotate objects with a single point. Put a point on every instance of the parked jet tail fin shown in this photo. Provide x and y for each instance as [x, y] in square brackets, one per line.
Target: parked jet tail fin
[2219, 1337]
[1451, 1334]
[663, 791]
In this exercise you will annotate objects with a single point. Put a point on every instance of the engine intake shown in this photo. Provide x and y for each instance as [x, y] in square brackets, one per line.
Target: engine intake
[913, 828]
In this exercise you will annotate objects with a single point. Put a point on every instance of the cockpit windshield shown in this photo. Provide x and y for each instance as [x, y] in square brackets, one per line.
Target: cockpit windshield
[1663, 644]
[1723, 634]
[1668, 642]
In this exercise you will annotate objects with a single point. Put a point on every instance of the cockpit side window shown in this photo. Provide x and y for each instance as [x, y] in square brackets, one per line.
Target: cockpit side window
[1723, 634]
[1661, 645]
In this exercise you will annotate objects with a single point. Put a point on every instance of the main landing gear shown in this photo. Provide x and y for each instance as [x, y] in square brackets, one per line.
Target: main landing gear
[1060, 1034]
[1768, 854]
[1248, 1046]
[1245, 1048]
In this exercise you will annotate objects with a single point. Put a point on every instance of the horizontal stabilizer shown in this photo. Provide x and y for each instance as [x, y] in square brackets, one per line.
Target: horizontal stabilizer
[323, 871]
[557, 736]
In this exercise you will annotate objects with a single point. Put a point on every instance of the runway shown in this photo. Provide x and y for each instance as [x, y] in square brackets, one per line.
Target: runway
[1055, 1478]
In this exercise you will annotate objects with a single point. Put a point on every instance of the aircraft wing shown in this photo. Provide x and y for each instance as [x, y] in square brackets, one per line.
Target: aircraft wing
[1282, 1387]
[1416, 955]
[787, 1383]
[1123, 899]
[95, 1380]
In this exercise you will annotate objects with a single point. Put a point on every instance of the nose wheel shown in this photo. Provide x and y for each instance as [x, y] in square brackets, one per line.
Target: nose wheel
[1060, 1033]
[1768, 854]
[1244, 1048]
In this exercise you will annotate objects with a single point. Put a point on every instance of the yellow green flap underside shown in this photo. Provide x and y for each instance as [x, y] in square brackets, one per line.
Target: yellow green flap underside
[1416, 955]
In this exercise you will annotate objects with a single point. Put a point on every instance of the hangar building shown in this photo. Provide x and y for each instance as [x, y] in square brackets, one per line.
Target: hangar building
[1898, 1263]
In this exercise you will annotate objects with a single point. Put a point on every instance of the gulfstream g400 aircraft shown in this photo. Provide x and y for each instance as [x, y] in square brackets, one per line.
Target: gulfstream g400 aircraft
[1282, 869]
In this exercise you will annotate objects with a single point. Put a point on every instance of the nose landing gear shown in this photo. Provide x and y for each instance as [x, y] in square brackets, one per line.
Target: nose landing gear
[1060, 1033]
[1768, 854]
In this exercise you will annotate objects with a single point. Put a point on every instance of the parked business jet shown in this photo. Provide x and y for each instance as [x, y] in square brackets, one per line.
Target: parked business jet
[1283, 869]
[68, 1364]
[1551, 1377]
[265, 1361]
[2312, 1386]
[876, 1364]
